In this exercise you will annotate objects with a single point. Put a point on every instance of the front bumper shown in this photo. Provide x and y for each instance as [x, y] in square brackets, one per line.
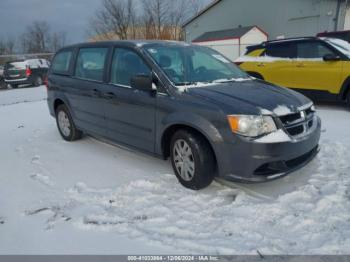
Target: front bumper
[245, 160]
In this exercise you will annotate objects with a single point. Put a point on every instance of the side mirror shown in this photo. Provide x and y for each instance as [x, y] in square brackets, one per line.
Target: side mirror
[142, 82]
[331, 58]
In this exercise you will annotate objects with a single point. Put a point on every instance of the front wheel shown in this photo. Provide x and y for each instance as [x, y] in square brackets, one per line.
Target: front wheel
[192, 159]
[66, 125]
[348, 99]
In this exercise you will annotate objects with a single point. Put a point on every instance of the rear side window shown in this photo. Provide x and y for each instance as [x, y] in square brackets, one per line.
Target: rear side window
[18, 65]
[61, 62]
[285, 50]
[312, 50]
[127, 64]
[90, 63]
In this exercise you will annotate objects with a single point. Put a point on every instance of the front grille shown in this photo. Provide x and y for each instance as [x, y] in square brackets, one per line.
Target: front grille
[273, 168]
[299, 123]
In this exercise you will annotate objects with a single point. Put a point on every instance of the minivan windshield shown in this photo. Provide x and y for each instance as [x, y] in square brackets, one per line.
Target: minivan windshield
[195, 65]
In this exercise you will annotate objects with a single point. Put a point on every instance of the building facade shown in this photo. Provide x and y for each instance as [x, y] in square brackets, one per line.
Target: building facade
[279, 18]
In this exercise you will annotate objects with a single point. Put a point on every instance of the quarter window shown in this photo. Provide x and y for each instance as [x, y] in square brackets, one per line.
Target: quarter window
[90, 63]
[312, 50]
[285, 50]
[60, 64]
[127, 64]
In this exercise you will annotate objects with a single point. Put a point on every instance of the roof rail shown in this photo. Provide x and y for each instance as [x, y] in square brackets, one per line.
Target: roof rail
[291, 39]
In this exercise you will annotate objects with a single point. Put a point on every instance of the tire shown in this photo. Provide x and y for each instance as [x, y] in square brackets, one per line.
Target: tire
[3, 84]
[195, 169]
[66, 125]
[14, 86]
[348, 99]
[38, 81]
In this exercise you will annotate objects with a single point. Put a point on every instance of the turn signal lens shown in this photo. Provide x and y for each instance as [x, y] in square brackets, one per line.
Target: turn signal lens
[234, 123]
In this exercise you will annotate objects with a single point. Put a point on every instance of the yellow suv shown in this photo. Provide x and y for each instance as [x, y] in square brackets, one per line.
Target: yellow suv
[318, 67]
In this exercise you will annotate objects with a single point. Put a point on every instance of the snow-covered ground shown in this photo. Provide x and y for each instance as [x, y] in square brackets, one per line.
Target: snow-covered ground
[89, 197]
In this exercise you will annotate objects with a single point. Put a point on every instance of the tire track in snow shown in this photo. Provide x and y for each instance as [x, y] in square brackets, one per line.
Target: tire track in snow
[312, 219]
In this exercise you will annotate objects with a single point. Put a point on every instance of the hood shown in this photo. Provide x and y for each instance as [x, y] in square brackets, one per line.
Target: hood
[253, 97]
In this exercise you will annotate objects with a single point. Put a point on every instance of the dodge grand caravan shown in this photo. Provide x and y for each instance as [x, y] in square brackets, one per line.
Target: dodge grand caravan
[183, 102]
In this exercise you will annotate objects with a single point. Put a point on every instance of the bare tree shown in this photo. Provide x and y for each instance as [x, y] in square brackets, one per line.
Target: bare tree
[115, 18]
[159, 19]
[57, 40]
[38, 38]
[7, 46]
[155, 16]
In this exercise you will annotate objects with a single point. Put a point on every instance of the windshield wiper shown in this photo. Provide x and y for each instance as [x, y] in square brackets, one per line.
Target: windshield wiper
[185, 83]
[221, 81]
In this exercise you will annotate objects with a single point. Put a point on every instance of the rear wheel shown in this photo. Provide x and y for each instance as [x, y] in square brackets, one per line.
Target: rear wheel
[348, 99]
[66, 125]
[192, 159]
[3, 84]
[38, 81]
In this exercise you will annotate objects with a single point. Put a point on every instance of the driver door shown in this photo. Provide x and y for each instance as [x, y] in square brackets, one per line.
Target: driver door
[130, 113]
[312, 72]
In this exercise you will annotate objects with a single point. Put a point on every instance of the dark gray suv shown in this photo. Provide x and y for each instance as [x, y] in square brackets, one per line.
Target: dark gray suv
[185, 102]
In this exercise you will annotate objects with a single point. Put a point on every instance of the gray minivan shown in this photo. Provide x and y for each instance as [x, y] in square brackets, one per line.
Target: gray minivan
[186, 102]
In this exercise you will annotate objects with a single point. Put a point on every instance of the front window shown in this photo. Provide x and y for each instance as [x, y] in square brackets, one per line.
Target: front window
[127, 64]
[312, 50]
[193, 65]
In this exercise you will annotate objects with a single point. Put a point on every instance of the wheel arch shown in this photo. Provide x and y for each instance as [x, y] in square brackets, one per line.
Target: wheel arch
[256, 75]
[345, 89]
[172, 129]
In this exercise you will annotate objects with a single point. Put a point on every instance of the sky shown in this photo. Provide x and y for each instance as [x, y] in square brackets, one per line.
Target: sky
[70, 16]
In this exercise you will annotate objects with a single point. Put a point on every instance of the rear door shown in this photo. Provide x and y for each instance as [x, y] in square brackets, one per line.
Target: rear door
[312, 72]
[85, 89]
[130, 113]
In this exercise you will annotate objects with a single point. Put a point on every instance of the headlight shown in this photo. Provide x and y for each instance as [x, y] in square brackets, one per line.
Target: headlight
[251, 126]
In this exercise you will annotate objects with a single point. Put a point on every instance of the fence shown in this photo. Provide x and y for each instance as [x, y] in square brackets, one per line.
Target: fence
[12, 57]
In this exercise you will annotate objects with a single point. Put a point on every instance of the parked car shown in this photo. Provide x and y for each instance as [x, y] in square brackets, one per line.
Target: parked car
[185, 102]
[344, 35]
[26, 72]
[2, 80]
[317, 67]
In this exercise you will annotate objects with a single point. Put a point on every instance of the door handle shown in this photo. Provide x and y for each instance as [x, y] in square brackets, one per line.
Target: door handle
[261, 64]
[109, 95]
[96, 92]
[300, 65]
